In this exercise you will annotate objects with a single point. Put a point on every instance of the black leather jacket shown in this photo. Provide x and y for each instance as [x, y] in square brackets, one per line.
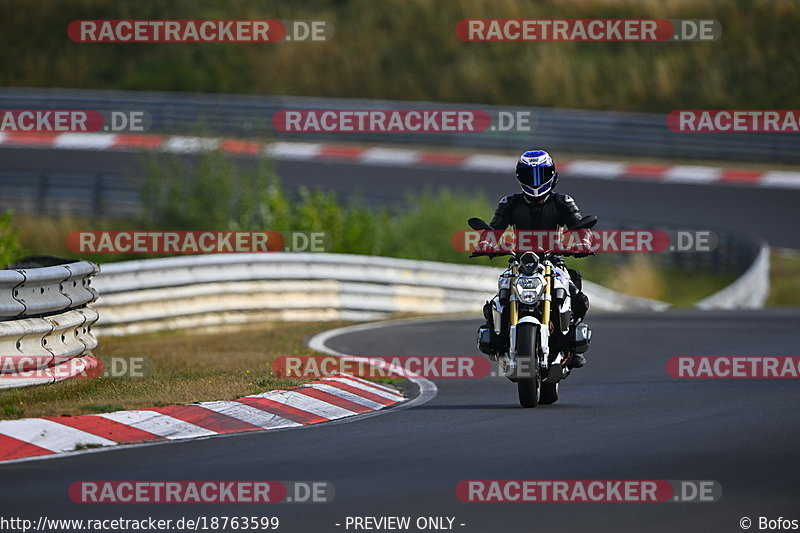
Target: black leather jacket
[517, 211]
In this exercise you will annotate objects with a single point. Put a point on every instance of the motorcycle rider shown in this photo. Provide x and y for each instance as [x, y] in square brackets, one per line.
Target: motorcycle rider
[538, 208]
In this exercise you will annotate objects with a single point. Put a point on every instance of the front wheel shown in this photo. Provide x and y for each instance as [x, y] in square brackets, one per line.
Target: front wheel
[529, 388]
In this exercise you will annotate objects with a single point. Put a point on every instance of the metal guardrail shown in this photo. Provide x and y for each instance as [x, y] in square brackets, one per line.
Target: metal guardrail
[749, 291]
[732, 254]
[560, 130]
[213, 290]
[45, 322]
[27, 292]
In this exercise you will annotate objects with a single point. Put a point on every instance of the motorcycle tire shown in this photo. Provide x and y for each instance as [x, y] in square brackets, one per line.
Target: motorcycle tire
[528, 388]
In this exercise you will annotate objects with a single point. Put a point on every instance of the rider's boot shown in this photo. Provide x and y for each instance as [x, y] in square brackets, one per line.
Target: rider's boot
[576, 361]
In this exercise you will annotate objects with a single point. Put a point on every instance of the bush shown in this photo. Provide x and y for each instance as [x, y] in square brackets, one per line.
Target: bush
[10, 248]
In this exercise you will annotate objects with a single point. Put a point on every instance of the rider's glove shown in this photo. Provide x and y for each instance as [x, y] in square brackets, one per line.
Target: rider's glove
[484, 246]
[582, 240]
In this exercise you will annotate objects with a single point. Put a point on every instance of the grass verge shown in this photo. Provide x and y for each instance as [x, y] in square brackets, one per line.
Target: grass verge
[784, 278]
[187, 366]
[408, 50]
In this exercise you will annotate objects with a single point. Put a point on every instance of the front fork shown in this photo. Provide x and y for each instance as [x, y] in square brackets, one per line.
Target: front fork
[544, 326]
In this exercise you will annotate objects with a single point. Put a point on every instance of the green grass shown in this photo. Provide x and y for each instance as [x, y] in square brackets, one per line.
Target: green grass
[187, 366]
[88, 446]
[408, 50]
[103, 408]
[784, 279]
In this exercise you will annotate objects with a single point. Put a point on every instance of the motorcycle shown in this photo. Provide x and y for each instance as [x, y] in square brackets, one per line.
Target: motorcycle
[534, 335]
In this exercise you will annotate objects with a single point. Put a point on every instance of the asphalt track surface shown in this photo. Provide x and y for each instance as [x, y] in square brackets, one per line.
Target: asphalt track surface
[763, 211]
[621, 417]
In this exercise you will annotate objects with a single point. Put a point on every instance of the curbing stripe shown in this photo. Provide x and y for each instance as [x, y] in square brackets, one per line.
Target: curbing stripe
[11, 448]
[780, 179]
[598, 169]
[736, 175]
[692, 174]
[389, 157]
[252, 415]
[50, 435]
[103, 427]
[335, 399]
[372, 384]
[286, 411]
[77, 141]
[321, 401]
[292, 151]
[139, 141]
[199, 415]
[362, 390]
[295, 398]
[189, 145]
[341, 392]
[161, 425]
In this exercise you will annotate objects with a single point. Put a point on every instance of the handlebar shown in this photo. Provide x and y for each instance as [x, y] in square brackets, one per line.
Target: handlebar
[492, 255]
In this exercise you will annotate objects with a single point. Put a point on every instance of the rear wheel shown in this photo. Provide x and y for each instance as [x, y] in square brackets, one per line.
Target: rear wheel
[549, 393]
[529, 384]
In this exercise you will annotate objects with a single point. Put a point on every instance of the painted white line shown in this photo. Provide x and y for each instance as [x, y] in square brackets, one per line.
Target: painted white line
[692, 174]
[293, 151]
[158, 424]
[597, 169]
[85, 141]
[427, 388]
[189, 145]
[305, 403]
[489, 163]
[248, 414]
[371, 404]
[780, 179]
[50, 435]
[389, 157]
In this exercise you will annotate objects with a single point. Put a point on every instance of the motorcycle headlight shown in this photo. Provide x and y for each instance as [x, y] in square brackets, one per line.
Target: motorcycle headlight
[529, 290]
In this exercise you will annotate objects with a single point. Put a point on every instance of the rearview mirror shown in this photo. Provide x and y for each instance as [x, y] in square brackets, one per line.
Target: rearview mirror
[478, 224]
[586, 222]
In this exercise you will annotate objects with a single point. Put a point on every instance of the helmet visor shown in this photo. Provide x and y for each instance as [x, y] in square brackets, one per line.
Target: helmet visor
[535, 176]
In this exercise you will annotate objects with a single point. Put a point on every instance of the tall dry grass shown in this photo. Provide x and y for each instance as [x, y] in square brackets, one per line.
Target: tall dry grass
[408, 50]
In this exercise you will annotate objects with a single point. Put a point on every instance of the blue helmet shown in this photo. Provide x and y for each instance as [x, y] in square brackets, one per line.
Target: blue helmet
[536, 174]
